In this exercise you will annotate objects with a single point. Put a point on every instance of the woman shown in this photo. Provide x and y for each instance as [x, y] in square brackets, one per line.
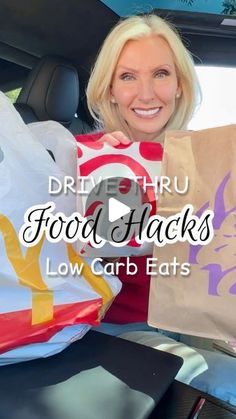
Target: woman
[143, 43]
[142, 84]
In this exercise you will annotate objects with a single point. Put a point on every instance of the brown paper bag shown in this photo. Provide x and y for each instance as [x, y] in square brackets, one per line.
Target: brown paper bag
[202, 303]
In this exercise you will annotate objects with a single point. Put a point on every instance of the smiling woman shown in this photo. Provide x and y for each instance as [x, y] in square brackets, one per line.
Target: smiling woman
[143, 81]
[145, 86]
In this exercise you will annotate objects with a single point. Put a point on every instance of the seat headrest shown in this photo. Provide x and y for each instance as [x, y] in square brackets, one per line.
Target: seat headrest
[52, 90]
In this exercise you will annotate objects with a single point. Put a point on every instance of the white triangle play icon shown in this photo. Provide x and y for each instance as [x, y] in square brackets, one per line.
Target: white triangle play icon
[116, 209]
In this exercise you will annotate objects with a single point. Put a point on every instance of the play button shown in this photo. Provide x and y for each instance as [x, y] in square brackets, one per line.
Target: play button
[122, 202]
[117, 209]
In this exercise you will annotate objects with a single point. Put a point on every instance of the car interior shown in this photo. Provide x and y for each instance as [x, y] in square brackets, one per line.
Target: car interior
[47, 49]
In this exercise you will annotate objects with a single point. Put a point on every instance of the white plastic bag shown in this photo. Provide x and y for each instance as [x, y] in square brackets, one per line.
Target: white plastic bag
[35, 306]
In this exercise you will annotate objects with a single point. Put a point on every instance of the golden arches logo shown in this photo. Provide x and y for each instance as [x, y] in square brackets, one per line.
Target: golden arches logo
[28, 272]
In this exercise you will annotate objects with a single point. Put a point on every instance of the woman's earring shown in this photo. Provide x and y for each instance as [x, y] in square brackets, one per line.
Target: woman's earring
[113, 100]
[177, 95]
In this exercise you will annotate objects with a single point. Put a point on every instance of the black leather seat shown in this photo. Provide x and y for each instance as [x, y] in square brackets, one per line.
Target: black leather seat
[51, 92]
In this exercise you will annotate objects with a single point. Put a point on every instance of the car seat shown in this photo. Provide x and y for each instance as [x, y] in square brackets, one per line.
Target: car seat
[51, 92]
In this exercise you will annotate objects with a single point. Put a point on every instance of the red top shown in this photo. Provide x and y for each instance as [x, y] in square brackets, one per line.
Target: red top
[131, 304]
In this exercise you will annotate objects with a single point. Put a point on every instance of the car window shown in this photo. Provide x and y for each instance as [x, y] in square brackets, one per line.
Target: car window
[125, 7]
[13, 94]
[218, 105]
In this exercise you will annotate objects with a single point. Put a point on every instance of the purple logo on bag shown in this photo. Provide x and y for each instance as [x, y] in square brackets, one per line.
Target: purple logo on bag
[215, 270]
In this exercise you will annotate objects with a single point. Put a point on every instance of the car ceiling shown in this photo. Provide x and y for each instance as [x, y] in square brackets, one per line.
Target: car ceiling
[75, 29]
[42, 27]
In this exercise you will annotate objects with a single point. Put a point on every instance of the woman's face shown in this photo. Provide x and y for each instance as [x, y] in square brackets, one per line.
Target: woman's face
[145, 85]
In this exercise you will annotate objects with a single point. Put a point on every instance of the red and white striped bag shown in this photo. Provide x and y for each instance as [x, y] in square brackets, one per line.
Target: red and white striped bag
[138, 161]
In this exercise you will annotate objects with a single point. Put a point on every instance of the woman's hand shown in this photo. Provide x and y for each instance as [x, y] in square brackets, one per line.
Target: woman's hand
[114, 138]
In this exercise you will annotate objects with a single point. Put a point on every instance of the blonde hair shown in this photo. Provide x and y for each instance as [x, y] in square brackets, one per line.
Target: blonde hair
[133, 28]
